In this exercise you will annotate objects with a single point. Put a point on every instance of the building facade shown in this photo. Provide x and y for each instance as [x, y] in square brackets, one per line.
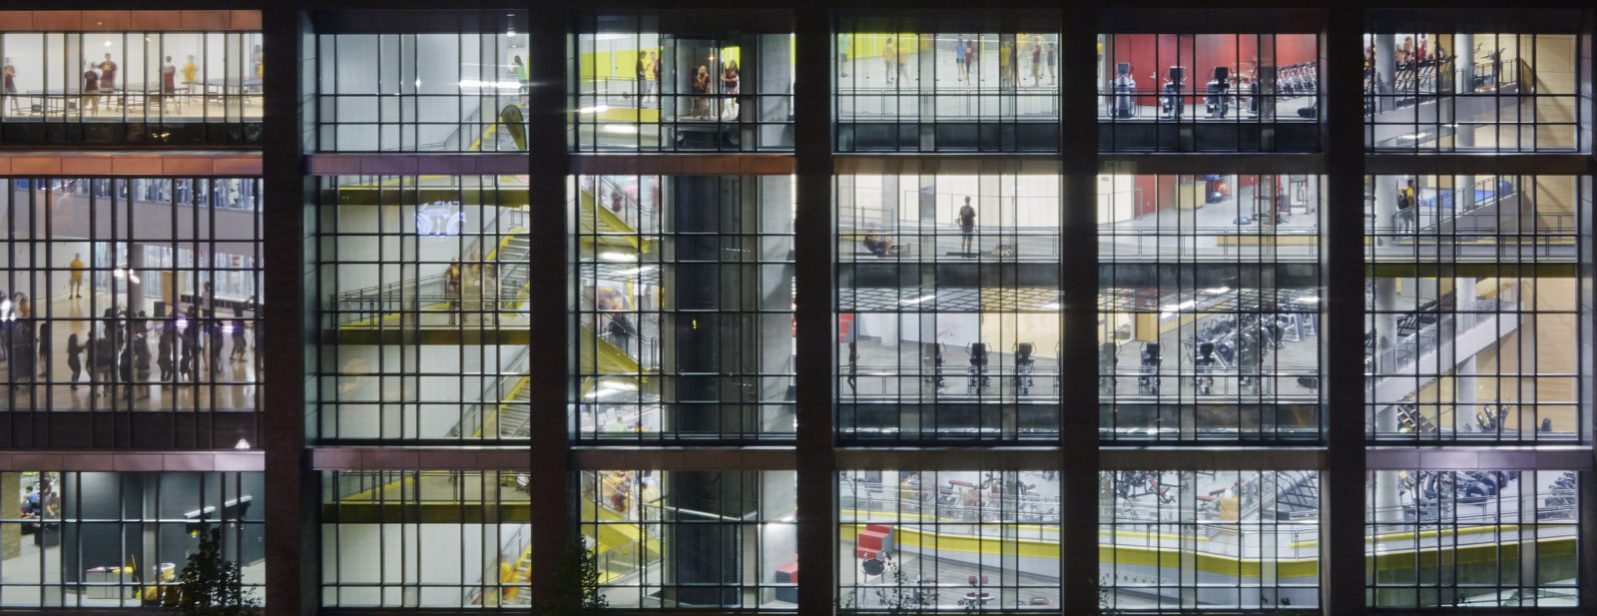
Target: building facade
[1034, 308]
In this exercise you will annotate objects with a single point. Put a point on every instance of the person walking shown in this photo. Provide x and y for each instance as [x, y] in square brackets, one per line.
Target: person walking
[1406, 205]
[890, 59]
[452, 289]
[76, 268]
[959, 59]
[967, 226]
[74, 359]
[44, 350]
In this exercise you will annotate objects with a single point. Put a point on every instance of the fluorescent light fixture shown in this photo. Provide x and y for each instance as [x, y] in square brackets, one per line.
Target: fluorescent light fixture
[1217, 290]
[617, 256]
[1310, 299]
[918, 300]
[636, 270]
[624, 129]
[483, 85]
[1051, 306]
[594, 109]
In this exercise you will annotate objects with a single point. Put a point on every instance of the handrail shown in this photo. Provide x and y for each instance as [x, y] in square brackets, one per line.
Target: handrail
[506, 383]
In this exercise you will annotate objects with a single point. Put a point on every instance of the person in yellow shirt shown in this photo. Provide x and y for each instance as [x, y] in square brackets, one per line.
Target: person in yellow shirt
[191, 73]
[890, 59]
[76, 267]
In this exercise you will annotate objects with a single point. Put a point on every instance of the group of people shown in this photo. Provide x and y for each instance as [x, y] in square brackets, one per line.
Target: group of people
[699, 107]
[473, 290]
[99, 79]
[1042, 56]
[116, 353]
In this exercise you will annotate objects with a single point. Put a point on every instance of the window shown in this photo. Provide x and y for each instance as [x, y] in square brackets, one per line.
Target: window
[83, 540]
[948, 306]
[1478, 538]
[1209, 307]
[908, 84]
[427, 92]
[1209, 540]
[924, 541]
[441, 539]
[1472, 304]
[138, 294]
[1446, 92]
[692, 539]
[664, 83]
[684, 320]
[1209, 92]
[422, 284]
[155, 88]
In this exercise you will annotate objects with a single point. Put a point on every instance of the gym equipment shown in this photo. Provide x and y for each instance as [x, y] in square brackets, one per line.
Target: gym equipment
[1108, 359]
[977, 373]
[937, 365]
[1148, 383]
[1125, 89]
[1025, 364]
[1203, 365]
[1217, 103]
[1170, 103]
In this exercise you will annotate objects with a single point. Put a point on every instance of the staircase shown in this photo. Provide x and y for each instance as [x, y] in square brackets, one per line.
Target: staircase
[1416, 360]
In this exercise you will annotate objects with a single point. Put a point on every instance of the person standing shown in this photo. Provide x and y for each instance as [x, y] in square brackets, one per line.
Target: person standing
[240, 344]
[168, 83]
[108, 75]
[1036, 60]
[452, 289]
[520, 70]
[1053, 63]
[701, 93]
[10, 86]
[74, 359]
[44, 349]
[730, 81]
[1407, 202]
[967, 226]
[164, 350]
[959, 59]
[890, 59]
[91, 89]
[75, 268]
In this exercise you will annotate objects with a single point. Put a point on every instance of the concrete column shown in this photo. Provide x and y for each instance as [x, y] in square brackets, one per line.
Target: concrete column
[1385, 66]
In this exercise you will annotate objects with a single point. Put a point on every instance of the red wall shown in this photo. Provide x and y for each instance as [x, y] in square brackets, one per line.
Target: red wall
[1152, 55]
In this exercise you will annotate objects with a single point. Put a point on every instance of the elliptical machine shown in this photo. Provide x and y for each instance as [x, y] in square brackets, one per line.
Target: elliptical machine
[1148, 382]
[977, 373]
[1203, 364]
[1025, 366]
[1218, 103]
[1108, 360]
[1125, 89]
[1170, 104]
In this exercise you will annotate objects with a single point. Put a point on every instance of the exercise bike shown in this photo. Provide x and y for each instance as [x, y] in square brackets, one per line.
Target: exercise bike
[1148, 382]
[1025, 366]
[977, 379]
[1203, 365]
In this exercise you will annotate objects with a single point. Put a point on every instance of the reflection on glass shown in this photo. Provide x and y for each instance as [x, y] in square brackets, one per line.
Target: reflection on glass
[1219, 84]
[685, 316]
[926, 541]
[88, 540]
[1209, 540]
[639, 87]
[692, 539]
[1447, 92]
[423, 285]
[1480, 538]
[948, 306]
[465, 539]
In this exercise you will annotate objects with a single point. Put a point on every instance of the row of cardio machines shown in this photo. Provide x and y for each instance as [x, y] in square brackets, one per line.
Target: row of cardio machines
[1292, 81]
